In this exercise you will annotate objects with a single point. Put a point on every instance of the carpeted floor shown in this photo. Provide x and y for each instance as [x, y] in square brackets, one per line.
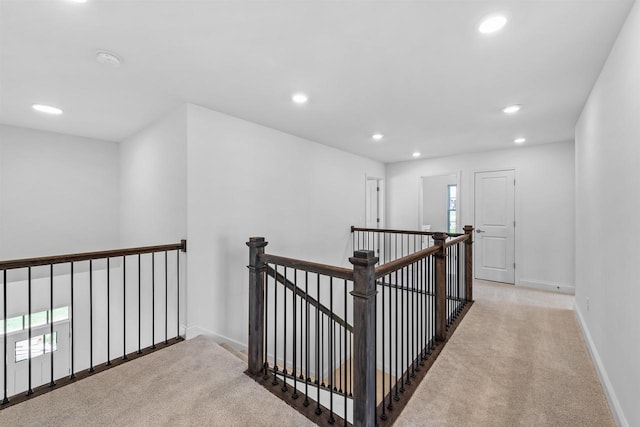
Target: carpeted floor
[192, 383]
[517, 359]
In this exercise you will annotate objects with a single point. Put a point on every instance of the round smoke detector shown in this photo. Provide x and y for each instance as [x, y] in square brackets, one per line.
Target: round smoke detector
[107, 58]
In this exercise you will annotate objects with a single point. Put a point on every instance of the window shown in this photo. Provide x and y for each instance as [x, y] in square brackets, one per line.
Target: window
[40, 318]
[452, 204]
[42, 344]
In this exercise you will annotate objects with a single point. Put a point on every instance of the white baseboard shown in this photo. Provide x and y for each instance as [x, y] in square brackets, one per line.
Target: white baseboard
[614, 403]
[547, 286]
[194, 331]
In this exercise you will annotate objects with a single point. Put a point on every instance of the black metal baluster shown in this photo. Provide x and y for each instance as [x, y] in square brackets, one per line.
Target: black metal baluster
[321, 349]
[153, 300]
[73, 331]
[177, 294]
[384, 414]
[408, 245]
[403, 274]
[434, 313]
[108, 311]
[452, 291]
[459, 278]
[452, 294]
[275, 325]
[265, 373]
[390, 404]
[353, 239]
[418, 319]
[5, 399]
[350, 344]
[91, 315]
[139, 306]
[29, 391]
[51, 340]
[396, 397]
[332, 372]
[340, 359]
[307, 332]
[422, 313]
[294, 370]
[318, 372]
[346, 320]
[166, 299]
[407, 314]
[284, 335]
[396, 249]
[413, 322]
[124, 308]
[302, 335]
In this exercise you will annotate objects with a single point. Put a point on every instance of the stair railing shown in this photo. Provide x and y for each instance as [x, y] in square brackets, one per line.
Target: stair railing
[349, 346]
[70, 316]
[390, 244]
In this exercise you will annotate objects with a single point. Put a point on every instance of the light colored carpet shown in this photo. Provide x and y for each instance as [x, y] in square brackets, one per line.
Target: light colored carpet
[191, 383]
[517, 359]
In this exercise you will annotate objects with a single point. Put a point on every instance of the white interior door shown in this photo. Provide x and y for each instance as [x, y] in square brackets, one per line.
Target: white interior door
[495, 226]
[372, 200]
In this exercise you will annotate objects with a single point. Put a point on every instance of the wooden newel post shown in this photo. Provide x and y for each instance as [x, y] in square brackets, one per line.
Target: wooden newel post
[256, 305]
[364, 338]
[441, 287]
[468, 263]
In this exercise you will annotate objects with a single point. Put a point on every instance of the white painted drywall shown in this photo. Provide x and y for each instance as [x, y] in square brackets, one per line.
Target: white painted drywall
[248, 180]
[153, 183]
[58, 193]
[607, 204]
[544, 248]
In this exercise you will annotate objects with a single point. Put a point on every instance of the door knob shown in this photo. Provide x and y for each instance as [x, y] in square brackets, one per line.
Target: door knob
[479, 231]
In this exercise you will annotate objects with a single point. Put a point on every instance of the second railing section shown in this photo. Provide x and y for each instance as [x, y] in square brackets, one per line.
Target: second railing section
[349, 345]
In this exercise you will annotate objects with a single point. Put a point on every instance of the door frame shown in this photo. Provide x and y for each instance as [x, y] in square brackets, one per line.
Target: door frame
[381, 199]
[458, 174]
[516, 214]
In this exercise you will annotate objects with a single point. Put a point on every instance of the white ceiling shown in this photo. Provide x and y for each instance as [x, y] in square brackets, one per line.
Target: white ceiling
[417, 71]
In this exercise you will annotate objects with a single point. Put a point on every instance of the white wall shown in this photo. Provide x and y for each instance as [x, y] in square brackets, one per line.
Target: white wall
[544, 246]
[249, 180]
[58, 193]
[153, 183]
[607, 205]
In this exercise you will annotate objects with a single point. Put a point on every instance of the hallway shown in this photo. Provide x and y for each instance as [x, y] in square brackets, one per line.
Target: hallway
[517, 359]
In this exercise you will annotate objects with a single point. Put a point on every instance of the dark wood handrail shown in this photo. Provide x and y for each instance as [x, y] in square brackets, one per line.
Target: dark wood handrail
[312, 267]
[384, 269]
[390, 231]
[312, 301]
[85, 256]
[457, 240]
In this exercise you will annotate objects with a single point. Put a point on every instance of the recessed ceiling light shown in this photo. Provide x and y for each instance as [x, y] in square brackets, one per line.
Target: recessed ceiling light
[300, 98]
[377, 136]
[47, 109]
[108, 58]
[519, 140]
[512, 109]
[416, 154]
[78, 1]
[492, 23]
